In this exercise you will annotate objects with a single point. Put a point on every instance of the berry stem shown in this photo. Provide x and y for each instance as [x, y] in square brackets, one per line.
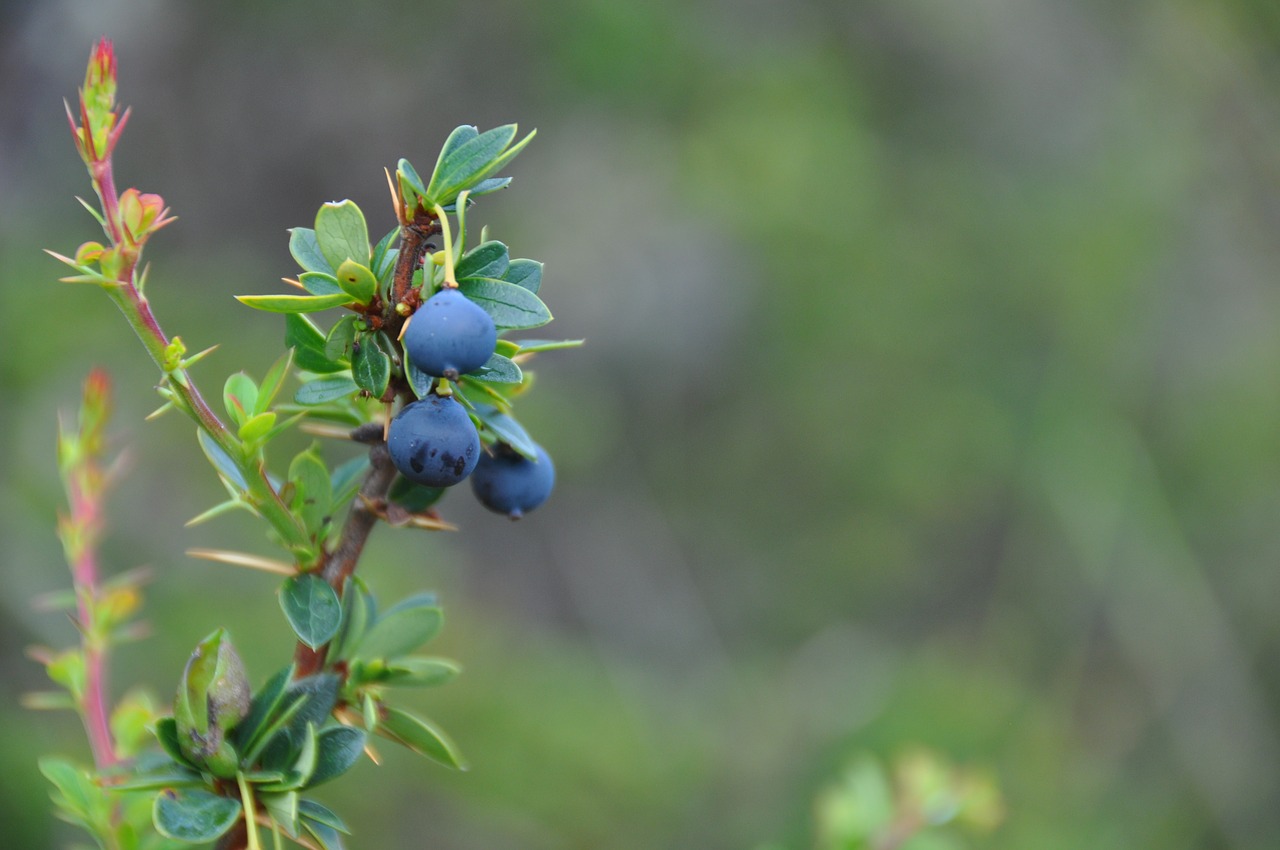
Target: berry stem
[449, 282]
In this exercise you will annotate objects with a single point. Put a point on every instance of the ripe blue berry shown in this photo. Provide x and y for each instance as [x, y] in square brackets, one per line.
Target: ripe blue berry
[508, 483]
[433, 442]
[450, 335]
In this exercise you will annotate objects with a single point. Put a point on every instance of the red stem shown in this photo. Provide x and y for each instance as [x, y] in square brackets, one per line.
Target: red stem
[84, 574]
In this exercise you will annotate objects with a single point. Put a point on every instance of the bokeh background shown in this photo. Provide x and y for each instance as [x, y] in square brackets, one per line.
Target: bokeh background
[931, 397]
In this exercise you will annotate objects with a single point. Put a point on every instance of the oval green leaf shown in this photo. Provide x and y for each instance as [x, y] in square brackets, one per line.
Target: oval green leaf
[196, 816]
[371, 368]
[324, 389]
[509, 305]
[306, 250]
[357, 281]
[400, 631]
[312, 608]
[488, 259]
[338, 748]
[498, 370]
[526, 273]
[342, 233]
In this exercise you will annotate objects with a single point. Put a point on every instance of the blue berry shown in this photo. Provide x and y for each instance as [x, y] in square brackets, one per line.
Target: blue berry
[450, 335]
[433, 442]
[508, 483]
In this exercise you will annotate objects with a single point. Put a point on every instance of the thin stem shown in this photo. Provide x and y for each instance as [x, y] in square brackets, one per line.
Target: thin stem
[137, 311]
[448, 248]
[250, 812]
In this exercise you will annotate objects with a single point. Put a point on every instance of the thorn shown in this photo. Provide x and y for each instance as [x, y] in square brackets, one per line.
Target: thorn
[293, 282]
[242, 559]
[317, 429]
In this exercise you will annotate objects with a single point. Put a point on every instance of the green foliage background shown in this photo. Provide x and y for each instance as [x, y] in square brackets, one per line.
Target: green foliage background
[930, 397]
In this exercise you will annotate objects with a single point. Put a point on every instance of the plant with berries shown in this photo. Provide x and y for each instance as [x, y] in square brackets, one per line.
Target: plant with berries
[422, 367]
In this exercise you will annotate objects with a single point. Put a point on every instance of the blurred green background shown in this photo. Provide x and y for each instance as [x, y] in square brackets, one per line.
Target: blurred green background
[931, 397]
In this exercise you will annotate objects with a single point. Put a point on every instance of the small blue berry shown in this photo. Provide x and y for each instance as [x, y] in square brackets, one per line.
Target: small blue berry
[508, 483]
[450, 335]
[433, 442]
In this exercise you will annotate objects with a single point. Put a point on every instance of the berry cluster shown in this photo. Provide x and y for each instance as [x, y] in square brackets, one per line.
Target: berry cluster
[433, 441]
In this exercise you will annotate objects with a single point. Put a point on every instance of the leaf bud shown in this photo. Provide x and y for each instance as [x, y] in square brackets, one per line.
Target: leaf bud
[213, 696]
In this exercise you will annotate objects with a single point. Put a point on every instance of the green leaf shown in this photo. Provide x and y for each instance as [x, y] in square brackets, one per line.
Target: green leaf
[421, 672]
[419, 380]
[257, 427]
[176, 776]
[321, 814]
[166, 730]
[410, 182]
[400, 631]
[319, 283]
[371, 368]
[530, 346]
[488, 259]
[459, 137]
[308, 343]
[509, 306]
[239, 397]
[508, 430]
[345, 480]
[221, 461]
[79, 794]
[263, 709]
[467, 159]
[338, 748]
[195, 816]
[358, 610]
[306, 250]
[421, 736]
[324, 389]
[312, 608]
[485, 187]
[312, 499]
[526, 273]
[326, 836]
[321, 693]
[384, 256]
[412, 496]
[357, 280]
[274, 379]
[342, 233]
[294, 303]
[337, 345]
[283, 809]
[498, 370]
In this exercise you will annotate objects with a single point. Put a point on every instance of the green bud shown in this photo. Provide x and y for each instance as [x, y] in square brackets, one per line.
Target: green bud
[213, 697]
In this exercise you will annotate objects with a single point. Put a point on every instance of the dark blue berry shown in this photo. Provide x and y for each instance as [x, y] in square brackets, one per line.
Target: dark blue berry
[450, 335]
[433, 442]
[508, 483]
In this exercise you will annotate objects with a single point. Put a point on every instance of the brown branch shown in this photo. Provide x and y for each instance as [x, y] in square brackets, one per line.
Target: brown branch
[342, 561]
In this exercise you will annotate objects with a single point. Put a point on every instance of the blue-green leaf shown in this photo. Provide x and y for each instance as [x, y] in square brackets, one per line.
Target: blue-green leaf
[312, 608]
[195, 816]
[498, 370]
[306, 250]
[262, 711]
[319, 283]
[324, 389]
[371, 368]
[321, 814]
[488, 259]
[337, 345]
[342, 233]
[401, 630]
[509, 305]
[221, 461]
[508, 430]
[467, 163]
[337, 749]
[526, 273]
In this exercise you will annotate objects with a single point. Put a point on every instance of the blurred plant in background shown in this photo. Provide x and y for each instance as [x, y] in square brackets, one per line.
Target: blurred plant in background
[1014, 500]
